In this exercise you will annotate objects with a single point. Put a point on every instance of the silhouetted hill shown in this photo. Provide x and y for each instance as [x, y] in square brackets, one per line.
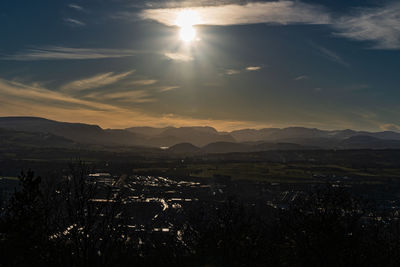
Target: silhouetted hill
[169, 136]
[248, 140]
[226, 147]
[12, 138]
[317, 142]
[281, 146]
[137, 136]
[35, 124]
[368, 142]
[306, 136]
[198, 136]
[249, 135]
[147, 131]
[183, 148]
[388, 135]
[78, 132]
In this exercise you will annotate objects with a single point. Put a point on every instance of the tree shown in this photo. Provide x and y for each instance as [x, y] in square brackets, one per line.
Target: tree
[23, 227]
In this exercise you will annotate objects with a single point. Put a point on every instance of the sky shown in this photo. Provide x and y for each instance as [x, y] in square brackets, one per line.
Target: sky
[328, 64]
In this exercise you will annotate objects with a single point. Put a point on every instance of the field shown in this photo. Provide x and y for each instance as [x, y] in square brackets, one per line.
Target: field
[346, 166]
[278, 172]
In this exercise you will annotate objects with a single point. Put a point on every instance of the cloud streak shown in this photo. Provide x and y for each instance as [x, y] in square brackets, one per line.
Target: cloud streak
[379, 25]
[32, 93]
[68, 53]
[280, 12]
[232, 72]
[17, 99]
[330, 55]
[168, 88]
[301, 77]
[74, 22]
[253, 68]
[76, 7]
[137, 96]
[96, 81]
[238, 71]
[143, 82]
[179, 56]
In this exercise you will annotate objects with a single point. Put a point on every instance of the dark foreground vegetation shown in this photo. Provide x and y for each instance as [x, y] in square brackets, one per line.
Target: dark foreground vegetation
[56, 222]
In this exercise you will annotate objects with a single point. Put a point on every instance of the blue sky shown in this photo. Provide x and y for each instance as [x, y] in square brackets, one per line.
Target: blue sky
[120, 63]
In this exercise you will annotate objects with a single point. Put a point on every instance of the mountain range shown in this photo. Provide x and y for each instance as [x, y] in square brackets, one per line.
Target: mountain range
[200, 139]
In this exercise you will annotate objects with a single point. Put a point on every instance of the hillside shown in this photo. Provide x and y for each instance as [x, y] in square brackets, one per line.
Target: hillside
[305, 135]
[169, 136]
[11, 138]
[183, 148]
[208, 139]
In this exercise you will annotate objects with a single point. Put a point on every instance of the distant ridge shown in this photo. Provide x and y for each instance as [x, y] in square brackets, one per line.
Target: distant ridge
[78, 132]
[205, 139]
[275, 134]
[169, 136]
[183, 148]
[18, 139]
[368, 142]
[226, 147]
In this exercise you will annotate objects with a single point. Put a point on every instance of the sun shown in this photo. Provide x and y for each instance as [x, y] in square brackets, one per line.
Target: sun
[187, 34]
[186, 20]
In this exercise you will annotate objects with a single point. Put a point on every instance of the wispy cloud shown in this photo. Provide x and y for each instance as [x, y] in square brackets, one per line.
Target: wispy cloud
[96, 81]
[168, 88]
[187, 3]
[281, 12]
[238, 71]
[137, 96]
[232, 72]
[253, 68]
[301, 77]
[34, 93]
[330, 55]
[68, 53]
[76, 7]
[143, 82]
[179, 56]
[379, 25]
[74, 22]
[18, 99]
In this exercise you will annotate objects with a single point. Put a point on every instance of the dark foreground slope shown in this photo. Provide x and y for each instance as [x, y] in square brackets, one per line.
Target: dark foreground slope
[101, 224]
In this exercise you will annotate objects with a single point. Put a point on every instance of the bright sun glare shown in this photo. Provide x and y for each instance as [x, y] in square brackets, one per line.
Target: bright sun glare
[186, 20]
